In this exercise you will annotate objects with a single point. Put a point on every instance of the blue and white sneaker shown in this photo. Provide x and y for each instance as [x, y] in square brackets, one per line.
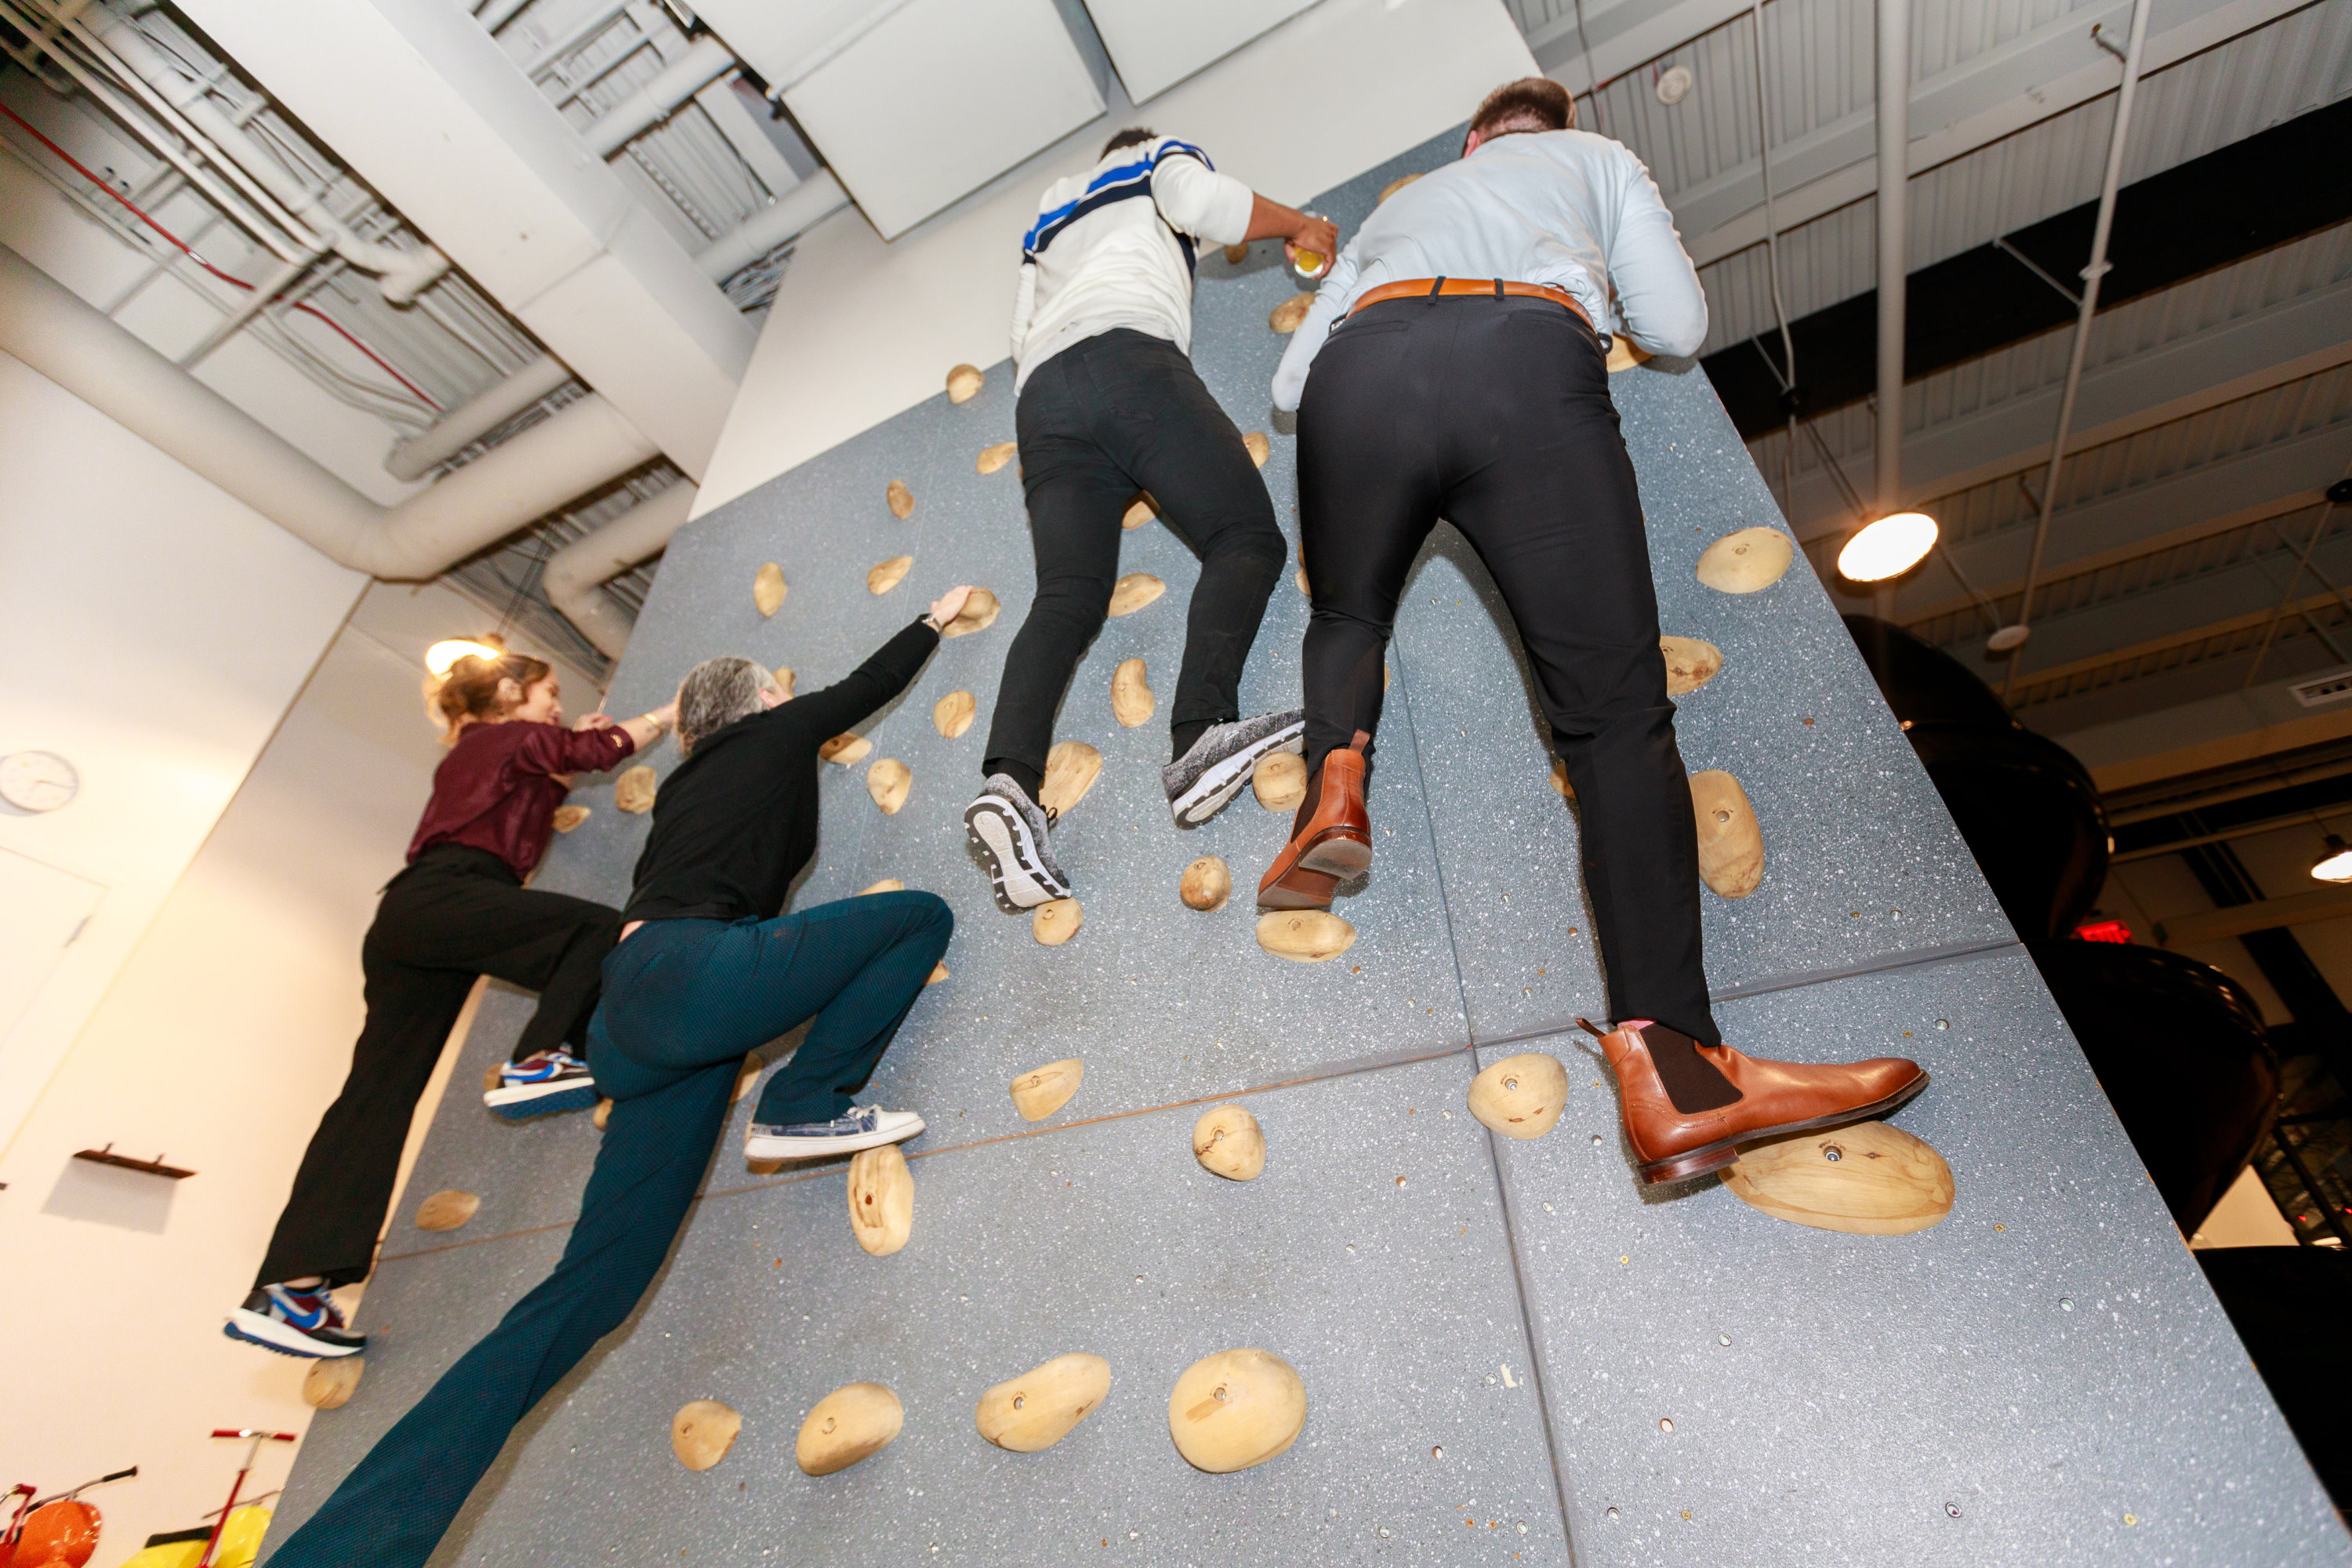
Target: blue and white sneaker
[294, 1321]
[865, 1127]
[541, 1084]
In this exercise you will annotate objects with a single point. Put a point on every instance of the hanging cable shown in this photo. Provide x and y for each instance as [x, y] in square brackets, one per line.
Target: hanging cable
[1772, 262]
[1592, 82]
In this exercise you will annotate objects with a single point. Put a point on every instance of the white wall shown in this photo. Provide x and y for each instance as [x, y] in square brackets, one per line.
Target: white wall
[863, 329]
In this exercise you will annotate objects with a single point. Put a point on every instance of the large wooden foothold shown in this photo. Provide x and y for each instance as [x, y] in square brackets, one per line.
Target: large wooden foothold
[887, 781]
[1040, 1091]
[964, 382]
[1730, 845]
[447, 1210]
[1057, 921]
[633, 791]
[1134, 591]
[1690, 664]
[1865, 1178]
[1286, 317]
[881, 1199]
[1260, 448]
[951, 714]
[979, 614]
[1746, 561]
[1520, 1097]
[1559, 779]
[747, 1076]
[1071, 769]
[1208, 883]
[1040, 1407]
[901, 499]
[1305, 936]
[1235, 1409]
[884, 575]
[939, 973]
[846, 751]
[784, 680]
[1394, 186]
[1139, 511]
[701, 1433]
[1237, 252]
[992, 458]
[768, 588]
[331, 1380]
[1279, 781]
[603, 1114]
[568, 818]
[1131, 701]
[852, 1423]
[887, 885]
[1624, 354]
[1228, 1142]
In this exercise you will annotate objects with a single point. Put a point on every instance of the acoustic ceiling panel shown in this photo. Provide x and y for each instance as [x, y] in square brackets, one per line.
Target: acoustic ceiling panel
[785, 42]
[1155, 45]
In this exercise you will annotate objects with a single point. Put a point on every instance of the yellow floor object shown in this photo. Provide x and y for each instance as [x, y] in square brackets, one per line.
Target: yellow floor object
[240, 1543]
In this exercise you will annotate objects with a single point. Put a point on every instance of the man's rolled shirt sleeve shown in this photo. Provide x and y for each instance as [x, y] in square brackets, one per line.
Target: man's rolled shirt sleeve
[1197, 200]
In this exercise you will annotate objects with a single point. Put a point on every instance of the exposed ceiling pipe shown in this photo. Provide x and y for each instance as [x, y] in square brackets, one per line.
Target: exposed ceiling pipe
[470, 421]
[817, 197]
[588, 443]
[1894, 173]
[704, 63]
[574, 574]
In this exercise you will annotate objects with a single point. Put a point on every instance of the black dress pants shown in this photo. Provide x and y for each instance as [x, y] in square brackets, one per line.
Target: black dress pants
[1494, 414]
[454, 915]
[1115, 414]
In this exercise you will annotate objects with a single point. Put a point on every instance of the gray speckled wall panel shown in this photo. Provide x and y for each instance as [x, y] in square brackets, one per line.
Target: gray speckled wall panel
[2047, 1361]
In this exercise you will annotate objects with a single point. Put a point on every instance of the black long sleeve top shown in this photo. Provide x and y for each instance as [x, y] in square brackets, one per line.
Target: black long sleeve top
[736, 822]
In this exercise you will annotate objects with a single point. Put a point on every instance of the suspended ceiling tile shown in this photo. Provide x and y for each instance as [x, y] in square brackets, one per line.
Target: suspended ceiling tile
[785, 43]
[1154, 44]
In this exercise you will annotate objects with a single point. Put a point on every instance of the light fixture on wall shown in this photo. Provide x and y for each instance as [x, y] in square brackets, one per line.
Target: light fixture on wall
[1888, 547]
[2334, 862]
[442, 654]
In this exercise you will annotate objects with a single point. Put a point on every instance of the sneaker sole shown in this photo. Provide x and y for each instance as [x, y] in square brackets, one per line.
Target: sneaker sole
[1215, 789]
[284, 1338]
[1715, 1156]
[1014, 875]
[522, 1102]
[797, 1148]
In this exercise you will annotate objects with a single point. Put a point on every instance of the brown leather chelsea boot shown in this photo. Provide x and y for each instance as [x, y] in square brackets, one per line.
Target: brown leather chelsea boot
[1690, 1109]
[1330, 838]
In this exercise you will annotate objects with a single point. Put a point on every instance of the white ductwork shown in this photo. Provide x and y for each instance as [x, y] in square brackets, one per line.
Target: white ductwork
[817, 197]
[588, 443]
[470, 421]
[701, 65]
[574, 574]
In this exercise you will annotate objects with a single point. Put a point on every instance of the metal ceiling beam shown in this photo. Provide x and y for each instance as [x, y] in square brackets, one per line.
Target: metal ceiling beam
[2033, 686]
[1625, 34]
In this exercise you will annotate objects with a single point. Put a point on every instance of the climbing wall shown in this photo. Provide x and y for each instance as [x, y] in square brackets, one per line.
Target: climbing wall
[1512, 1353]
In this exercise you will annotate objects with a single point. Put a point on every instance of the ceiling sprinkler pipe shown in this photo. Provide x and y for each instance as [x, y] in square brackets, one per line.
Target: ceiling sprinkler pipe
[575, 575]
[799, 209]
[651, 104]
[477, 417]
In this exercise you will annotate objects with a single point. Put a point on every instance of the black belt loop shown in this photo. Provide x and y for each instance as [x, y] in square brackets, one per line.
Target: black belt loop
[1498, 287]
[1437, 288]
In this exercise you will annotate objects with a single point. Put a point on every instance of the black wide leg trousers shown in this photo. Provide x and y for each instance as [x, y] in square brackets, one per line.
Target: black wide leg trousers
[456, 914]
[1493, 413]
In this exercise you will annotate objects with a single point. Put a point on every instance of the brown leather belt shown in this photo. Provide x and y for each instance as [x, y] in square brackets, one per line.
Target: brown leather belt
[1493, 288]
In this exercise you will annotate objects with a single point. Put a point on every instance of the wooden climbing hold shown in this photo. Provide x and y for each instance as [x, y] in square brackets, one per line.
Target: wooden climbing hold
[900, 498]
[1131, 701]
[1299, 577]
[1040, 1091]
[1522, 1096]
[1071, 769]
[1286, 317]
[331, 1380]
[1237, 252]
[1394, 186]
[979, 614]
[1744, 562]
[846, 751]
[747, 1076]
[1208, 883]
[1228, 1142]
[1260, 449]
[853, 1423]
[633, 791]
[447, 1210]
[1559, 779]
[964, 381]
[1279, 781]
[887, 885]
[1134, 591]
[1730, 844]
[1056, 923]
[1690, 664]
[881, 1199]
[1305, 936]
[939, 973]
[884, 575]
[767, 589]
[1039, 1408]
[784, 680]
[887, 781]
[1624, 354]
[994, 458]
[1864, 1178]
[951, 714]
[1141, 510]
[701, 1433]
[568, 818]
[604, 1113]
[1235, 1409]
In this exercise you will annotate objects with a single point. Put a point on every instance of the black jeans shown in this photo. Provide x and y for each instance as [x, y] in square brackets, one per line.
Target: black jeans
[457, 914]
[1494, 414]
[1118, 412]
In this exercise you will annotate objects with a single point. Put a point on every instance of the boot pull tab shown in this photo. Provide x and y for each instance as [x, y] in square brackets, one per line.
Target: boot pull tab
[1363, 738]
[1586, 1025]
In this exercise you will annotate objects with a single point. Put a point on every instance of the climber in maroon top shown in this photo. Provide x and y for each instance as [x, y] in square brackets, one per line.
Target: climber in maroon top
[458, 911]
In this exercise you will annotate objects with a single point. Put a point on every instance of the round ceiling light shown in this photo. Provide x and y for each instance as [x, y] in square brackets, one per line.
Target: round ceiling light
[2009, 638]
[1674, 85]
[1888, 547]
[442, 654]
[2334, 862]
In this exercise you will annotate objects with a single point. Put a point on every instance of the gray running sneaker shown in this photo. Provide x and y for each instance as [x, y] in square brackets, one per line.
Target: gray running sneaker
[1009, 828]
[1203, 780]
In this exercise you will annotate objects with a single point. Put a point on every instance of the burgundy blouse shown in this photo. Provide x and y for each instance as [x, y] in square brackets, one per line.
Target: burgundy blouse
[495, 790]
